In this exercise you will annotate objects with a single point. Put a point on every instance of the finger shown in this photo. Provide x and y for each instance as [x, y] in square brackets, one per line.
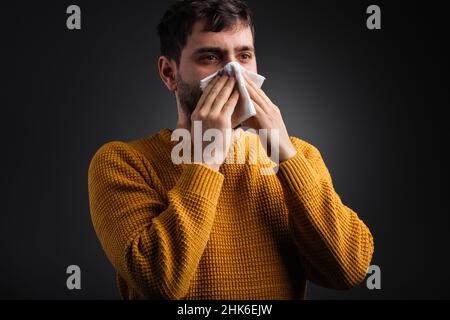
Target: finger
[229, 106]
[258, 90]
[208, 89]
[254, 121]
[206, 106]
[258, 99]
[223, 95]
[259, 110]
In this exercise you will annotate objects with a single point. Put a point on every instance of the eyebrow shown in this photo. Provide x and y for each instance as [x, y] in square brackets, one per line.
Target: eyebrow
[220, 50]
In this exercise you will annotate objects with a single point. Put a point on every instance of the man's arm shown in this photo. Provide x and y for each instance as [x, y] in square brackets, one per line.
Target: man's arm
[155, 244]
[335, 246]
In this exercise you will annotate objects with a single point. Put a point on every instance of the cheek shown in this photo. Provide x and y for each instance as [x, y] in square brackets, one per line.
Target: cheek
[203, 72]
[193, 75]
[253, 67]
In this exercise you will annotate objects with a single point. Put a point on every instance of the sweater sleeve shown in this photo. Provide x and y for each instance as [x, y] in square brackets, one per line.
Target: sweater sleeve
[334, 245]
[155, 245]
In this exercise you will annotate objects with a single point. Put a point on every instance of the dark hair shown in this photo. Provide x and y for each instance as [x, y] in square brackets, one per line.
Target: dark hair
[178, 21]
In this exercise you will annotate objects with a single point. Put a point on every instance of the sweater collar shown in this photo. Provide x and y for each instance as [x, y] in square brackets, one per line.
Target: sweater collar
[166, 133]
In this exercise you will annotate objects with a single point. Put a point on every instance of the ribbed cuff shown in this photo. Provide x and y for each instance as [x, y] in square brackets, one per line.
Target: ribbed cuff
[298, 173]
[202, 180]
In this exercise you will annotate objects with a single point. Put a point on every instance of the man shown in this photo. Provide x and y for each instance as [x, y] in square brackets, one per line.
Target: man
[213, 229]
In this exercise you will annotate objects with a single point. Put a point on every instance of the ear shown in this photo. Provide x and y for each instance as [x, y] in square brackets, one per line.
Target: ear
[167, 71]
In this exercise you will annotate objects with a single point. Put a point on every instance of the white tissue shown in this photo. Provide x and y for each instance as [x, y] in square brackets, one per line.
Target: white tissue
[234, 68]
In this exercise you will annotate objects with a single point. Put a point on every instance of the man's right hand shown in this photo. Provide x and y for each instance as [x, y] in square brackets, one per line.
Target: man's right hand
[214, 110]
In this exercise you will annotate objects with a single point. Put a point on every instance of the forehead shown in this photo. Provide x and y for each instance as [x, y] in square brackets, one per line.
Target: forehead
[237, 36]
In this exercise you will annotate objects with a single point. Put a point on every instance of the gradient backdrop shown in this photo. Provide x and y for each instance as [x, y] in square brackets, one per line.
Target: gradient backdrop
[373, 102]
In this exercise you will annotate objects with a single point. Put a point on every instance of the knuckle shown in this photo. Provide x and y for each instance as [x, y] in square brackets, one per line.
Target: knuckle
[194, 117]
[276, 109]
[202, 114]
[213, 116]
[197, 115]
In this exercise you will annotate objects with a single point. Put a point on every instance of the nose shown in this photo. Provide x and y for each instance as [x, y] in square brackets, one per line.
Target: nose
[228, 60]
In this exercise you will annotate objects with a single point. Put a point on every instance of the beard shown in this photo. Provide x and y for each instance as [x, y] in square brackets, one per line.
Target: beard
[188, 94]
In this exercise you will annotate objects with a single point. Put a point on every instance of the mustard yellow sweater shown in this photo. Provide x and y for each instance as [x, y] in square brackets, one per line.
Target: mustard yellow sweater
[188, 232]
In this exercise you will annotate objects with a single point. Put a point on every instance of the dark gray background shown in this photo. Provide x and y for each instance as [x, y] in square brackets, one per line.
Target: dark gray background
[372, 101]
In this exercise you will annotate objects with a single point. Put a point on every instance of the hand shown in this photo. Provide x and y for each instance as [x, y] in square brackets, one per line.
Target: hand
[268, 116]
[214, 110]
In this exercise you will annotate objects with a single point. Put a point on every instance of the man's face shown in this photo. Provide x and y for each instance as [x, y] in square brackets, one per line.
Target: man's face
[207, 52]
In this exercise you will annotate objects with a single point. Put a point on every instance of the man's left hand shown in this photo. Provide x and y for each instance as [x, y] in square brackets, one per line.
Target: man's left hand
[268, 116]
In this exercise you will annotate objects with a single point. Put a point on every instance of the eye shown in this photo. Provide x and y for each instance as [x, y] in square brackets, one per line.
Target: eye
[210, 57]
[246, 56]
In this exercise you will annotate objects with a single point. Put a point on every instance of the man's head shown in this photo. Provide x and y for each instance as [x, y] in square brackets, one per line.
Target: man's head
[199, 37]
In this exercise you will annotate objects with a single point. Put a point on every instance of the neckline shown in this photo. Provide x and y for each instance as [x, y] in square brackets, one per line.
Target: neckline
[166, 134]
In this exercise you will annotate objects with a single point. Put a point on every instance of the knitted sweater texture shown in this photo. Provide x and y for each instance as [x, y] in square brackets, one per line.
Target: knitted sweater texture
[185, 231]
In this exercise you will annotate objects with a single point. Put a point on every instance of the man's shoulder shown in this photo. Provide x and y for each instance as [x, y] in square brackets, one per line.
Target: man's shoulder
[112, 155]
[136, 149]
[138, 145]
[303, 145]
